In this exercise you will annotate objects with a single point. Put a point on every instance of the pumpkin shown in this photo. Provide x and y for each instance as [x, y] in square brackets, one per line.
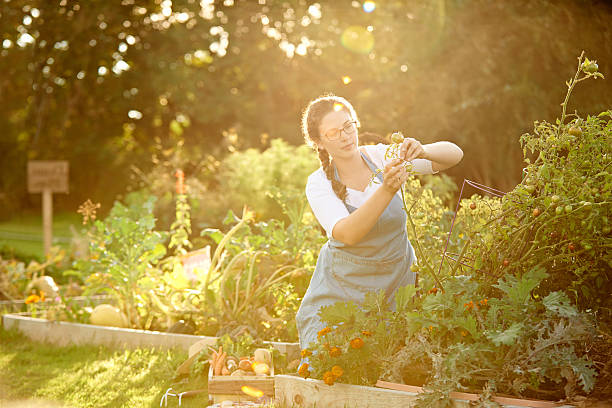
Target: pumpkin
[108, 315]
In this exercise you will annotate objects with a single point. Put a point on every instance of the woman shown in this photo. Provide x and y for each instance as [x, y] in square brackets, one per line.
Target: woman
[368, 248]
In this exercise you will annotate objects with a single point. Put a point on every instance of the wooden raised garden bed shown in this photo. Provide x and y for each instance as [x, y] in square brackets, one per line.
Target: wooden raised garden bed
[64, 333]
[298, 392]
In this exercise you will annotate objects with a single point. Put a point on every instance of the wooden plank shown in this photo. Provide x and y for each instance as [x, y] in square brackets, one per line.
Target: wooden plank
[309, 393]
[66, 333]
[504, 401]
[47, 216]
[233, 385]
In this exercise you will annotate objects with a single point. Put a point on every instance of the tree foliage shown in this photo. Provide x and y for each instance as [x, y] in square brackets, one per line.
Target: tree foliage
[100, 83]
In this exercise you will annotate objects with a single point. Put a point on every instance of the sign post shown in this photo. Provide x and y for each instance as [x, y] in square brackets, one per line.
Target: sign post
[47, 177]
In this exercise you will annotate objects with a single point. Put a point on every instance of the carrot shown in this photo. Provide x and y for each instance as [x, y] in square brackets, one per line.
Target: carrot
[219, 364]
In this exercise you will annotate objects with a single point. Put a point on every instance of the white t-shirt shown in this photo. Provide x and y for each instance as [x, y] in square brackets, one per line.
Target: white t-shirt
[325, 204]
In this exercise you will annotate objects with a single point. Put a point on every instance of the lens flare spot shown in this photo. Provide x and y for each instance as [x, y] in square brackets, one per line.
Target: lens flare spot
[338, 107]
[369, 6]
[357, 39]
[346, 80]
[252, 392]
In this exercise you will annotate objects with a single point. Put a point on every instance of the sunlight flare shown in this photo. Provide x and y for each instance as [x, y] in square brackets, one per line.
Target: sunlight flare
[252, 391]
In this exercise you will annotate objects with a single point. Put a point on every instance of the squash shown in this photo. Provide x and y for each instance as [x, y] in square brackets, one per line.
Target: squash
[262, 355]
[108, 315]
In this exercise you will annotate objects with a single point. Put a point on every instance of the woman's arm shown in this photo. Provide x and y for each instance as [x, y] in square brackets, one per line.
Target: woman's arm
[442, 155]
[351, 229]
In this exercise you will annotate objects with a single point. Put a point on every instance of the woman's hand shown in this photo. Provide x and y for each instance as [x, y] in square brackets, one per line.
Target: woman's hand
[411, 149]
[395, 175]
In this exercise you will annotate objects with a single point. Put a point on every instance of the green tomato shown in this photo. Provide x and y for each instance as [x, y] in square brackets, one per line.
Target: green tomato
[590, 67]
[530, 188]
[555, 198]
[559, 210]
[575, 131]
[397, 137]
[568, 208]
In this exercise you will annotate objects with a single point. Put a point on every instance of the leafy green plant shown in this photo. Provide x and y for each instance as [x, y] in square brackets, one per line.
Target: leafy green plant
[358, 339]
[247, 177]
[457, 339]
[249, 273]
[124, 251]
[514, 343]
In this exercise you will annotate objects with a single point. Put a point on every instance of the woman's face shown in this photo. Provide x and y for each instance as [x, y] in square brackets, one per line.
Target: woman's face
[338, 143]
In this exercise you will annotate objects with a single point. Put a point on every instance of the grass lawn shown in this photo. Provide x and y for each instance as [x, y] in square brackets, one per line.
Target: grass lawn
[23, 235]
[89, 376]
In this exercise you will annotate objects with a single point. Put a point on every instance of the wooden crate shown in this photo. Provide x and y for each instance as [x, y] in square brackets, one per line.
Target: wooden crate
[229, 388]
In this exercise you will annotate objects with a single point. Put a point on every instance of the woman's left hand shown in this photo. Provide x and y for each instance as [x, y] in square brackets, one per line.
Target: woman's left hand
[411, 149]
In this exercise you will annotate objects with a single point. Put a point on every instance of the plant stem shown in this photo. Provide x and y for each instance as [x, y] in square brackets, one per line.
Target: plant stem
[571, 85]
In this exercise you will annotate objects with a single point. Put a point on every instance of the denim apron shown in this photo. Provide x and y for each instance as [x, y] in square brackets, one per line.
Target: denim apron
[381, 260]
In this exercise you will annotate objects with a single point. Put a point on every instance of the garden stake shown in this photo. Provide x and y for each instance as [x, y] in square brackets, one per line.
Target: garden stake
[478, 186]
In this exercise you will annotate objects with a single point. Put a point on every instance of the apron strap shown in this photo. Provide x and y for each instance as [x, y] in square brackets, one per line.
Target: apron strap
[370, 164]
[372, 167]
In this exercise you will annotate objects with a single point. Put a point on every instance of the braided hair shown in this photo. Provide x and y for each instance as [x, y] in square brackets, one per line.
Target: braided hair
[311, 120]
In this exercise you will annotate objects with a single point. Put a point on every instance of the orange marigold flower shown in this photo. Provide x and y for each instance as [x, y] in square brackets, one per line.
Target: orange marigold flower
[328, 378]
[32, 299]
[335, 352]
[433, 291]
[337, 371]
[484, 302]
[469, 305]
[303, 371]
[366, 333]
[357, 343]
[42, 296]
[463, 333]
[306, 353]
[323, 331]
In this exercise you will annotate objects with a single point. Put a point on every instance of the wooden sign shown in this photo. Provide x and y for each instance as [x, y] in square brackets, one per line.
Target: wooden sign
[48, 175]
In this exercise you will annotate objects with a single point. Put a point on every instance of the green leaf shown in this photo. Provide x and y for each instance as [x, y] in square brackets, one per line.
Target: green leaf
[519, 289]
[403, 297]
[585, 372]
[158, 251]
[213, 233]
[469, 323]
[559, 303]
[507, 337]
[341, 312]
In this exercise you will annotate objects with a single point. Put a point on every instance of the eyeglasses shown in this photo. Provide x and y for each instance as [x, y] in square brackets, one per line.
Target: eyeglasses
[334, 134]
